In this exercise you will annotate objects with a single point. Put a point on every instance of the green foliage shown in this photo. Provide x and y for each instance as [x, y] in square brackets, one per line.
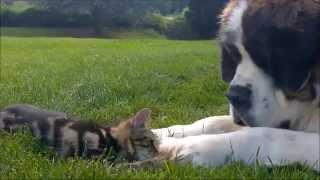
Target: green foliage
[155, 21]
[124, 13]
[96, 14]
[16, 6]
[172, 26]
[168, 17]
[43, 18]
[119, 33]
[102, 80]
[203, 16]
[179, 27]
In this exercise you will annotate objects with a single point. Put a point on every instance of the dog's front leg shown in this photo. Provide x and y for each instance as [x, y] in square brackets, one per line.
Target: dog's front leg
[268, 146]
[210, 125]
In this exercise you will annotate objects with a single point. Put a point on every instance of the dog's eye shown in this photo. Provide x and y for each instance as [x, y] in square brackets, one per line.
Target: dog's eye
[233, 52]
[306, 94]
[231, 57]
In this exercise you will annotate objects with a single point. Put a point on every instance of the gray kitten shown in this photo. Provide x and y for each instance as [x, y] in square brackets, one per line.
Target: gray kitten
[68, 136]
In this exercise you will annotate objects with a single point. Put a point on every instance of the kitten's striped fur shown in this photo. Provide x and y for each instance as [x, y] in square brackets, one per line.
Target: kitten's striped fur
[68, 136]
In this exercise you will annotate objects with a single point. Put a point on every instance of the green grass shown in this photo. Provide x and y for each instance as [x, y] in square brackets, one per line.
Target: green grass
[103, 80]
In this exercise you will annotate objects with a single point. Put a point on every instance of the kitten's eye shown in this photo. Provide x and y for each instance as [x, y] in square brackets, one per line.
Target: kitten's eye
[142, 145]
[142, 141]
[139, 139]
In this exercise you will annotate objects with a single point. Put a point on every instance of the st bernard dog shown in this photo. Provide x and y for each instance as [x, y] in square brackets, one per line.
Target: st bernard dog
[271, 61]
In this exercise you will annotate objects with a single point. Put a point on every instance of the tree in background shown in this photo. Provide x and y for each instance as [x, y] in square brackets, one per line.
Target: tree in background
[98, 10]
[182, 19]
[203, 16]
[103, 13]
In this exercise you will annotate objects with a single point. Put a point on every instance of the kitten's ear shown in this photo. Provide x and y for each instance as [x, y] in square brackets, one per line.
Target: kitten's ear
[139, 120]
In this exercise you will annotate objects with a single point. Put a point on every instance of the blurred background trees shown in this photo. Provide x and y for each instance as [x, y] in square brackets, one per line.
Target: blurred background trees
[177, 19]
[203, 16]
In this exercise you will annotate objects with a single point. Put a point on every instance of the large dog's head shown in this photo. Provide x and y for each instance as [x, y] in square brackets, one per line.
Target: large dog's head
[271, 60]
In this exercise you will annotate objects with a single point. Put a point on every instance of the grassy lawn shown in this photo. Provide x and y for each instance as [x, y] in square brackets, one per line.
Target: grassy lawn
[103, 80]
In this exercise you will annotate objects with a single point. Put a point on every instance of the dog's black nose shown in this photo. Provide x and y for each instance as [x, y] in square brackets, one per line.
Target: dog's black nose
[240, 97]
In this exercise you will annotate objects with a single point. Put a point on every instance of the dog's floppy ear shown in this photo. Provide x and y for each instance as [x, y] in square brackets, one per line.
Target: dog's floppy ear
[298, 67]
[283, 39]
[294, 76]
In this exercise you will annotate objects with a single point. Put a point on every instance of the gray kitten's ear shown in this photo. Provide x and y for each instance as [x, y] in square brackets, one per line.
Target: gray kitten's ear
[139, 120]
